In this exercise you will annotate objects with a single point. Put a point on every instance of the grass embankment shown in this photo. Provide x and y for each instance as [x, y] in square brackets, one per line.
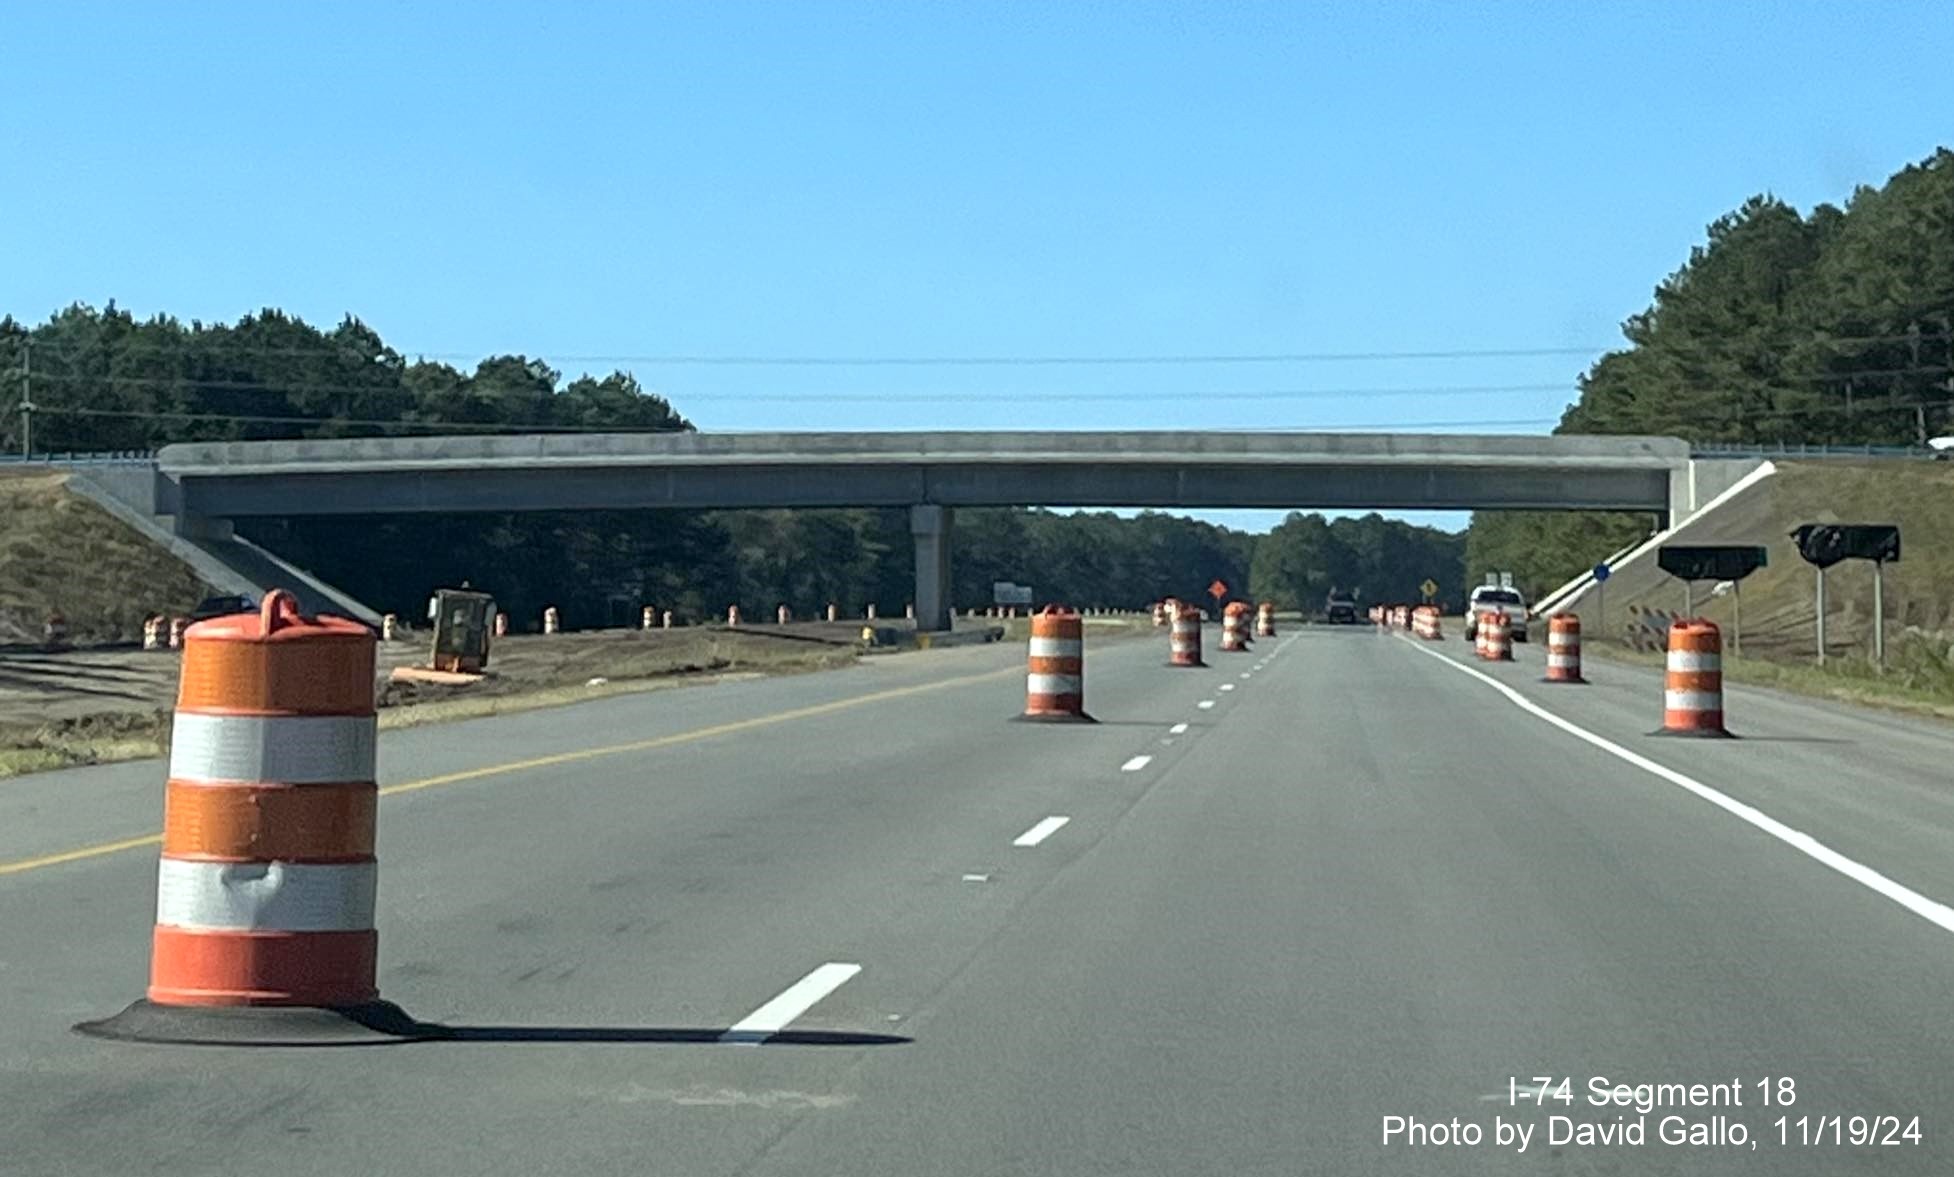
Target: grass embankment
[62, 552]
[1919, 592]
[1779, 634]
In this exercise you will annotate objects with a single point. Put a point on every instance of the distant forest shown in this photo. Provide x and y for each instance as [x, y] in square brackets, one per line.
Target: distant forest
[103, 380]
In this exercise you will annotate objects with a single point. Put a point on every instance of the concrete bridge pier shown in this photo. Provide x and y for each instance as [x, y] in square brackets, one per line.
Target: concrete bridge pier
[930, 525]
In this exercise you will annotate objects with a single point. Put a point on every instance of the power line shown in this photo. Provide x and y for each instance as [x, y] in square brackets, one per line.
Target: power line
[276, 388]
[138, 414]
[1170, 359]
[436, 426]
[193, 384]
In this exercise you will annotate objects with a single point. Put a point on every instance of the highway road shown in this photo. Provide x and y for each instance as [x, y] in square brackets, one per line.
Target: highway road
[1233, 928]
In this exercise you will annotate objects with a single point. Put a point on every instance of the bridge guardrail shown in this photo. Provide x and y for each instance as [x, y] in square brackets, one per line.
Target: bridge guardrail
[1719, 449]
[102, 458]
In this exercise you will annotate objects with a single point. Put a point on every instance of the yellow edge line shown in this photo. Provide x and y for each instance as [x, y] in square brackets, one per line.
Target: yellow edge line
[23, 865]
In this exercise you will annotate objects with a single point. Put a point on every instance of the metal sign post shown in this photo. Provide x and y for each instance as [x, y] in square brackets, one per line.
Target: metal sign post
[1825, 544]
[1821, 616]
[1879, 614]
[1718, 562]
[1736, 617]
[1601, 574]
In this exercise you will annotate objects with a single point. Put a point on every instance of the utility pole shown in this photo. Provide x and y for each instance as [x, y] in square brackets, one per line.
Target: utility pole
[27, 397]
[1920, 409]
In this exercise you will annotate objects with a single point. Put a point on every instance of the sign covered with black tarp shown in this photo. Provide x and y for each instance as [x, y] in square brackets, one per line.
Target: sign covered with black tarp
[1685, 562]
[1826, 544]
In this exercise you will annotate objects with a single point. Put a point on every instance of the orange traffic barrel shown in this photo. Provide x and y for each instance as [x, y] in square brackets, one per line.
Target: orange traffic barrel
[732, 615]
[265, 889]
[1159, 615]
[54, 635]
[552, 621]
[1184, 638]
[501, 625]
[1564, 648]
[389, 626]
[177, 626]
[1055, 690]
[783, 615]
[869, 612]
[152, 632]
[834, 611]
[1498, 638]
[648, 618]
[1234, 628]
[1692, 696]
[1265, 620]
[665, 619]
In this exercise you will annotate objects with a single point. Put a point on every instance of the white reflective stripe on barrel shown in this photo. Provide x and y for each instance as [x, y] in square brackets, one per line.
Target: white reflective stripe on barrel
[265, 896]
[1052, 684]
[1057, 647]
[277, 749]
[1692, 700]
[1695, 661]
[1563, 661]
[1563, 639]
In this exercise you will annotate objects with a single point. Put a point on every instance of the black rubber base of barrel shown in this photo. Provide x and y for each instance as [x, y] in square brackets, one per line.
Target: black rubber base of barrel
[1695, 733]
[1187, 666]
[371, 1023]
[1056, 717]
[1566, 682]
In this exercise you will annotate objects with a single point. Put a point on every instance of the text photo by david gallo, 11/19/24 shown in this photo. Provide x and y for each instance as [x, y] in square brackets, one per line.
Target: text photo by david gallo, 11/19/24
[1734, 1114]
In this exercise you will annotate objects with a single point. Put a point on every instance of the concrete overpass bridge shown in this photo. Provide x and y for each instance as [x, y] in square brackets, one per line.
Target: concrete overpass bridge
[199, 488]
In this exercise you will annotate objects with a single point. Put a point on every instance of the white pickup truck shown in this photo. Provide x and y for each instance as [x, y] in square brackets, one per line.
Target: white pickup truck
[1487, 597]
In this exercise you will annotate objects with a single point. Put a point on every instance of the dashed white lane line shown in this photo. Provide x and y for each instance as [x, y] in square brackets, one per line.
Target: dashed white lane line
[1177, 729]
[1933, 911]
[1227, 686]
[801, 996]
[1248, 674]
[1041, 831]
[1205, 704]
[1136, 764]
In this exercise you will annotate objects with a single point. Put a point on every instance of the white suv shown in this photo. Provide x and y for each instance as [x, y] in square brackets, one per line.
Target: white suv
[1487, 597]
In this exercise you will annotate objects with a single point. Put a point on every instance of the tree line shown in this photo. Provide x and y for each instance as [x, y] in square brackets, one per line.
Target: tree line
[104, 380]
[1833, 327]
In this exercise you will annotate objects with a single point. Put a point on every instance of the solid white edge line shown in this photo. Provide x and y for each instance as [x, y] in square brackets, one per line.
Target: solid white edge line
[801, 996]
[1933, 911]
[1136, 764]
[1041, 831]
[1177, 729]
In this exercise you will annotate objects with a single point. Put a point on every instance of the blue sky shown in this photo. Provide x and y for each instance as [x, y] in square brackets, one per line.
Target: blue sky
[625, 181]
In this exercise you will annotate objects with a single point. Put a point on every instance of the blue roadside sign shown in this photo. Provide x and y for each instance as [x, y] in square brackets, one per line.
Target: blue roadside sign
[1601, 571]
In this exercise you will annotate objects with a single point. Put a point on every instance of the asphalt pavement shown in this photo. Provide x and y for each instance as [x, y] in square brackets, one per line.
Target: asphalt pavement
[862, 922]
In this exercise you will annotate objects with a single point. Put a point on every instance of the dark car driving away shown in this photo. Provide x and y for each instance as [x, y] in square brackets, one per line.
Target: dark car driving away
[222, 606]
[1341, 611]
